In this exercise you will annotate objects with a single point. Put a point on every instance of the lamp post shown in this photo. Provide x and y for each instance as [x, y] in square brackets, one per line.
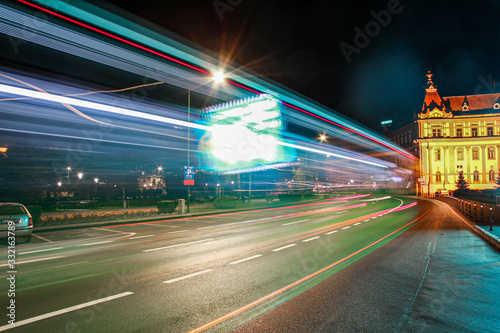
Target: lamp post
[69, 169]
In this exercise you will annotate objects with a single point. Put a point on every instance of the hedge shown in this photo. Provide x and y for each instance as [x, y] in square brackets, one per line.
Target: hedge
[166, 206]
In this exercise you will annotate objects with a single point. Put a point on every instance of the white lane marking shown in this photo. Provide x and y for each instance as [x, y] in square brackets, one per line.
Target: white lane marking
[177, 245]
[137, 237]
[346, 227]
[242, 222]
[377, 199]
[117, 231]
[162, 225]
[310, 239]
[43, 238]
[36, 251]
[59, 312]
[373, 218]
[245, 259]
[175, 232]
[34, 260]
[103, 242]
[296, 222]
[211, 226]
[331, 232]
[357, 223]
[188, 276]
[368, 220]
[342, 211]
[284, 247]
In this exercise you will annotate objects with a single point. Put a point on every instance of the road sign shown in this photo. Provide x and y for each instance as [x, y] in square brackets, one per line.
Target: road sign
[188, 175]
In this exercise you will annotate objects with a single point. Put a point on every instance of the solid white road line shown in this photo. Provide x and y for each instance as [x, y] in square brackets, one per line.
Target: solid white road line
[137, 237]
[34, 260]
[103, 242]
[188, 276]
[284, 247]
[346, 227]
[310, 239]
[296, 222]
[245, 259]
[43, 238]
[331, 232]
[36, 251]
[177, 245]
[175, 232]
[59, 312]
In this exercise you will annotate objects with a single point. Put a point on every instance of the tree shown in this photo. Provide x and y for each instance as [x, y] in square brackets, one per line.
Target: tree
[462, 185]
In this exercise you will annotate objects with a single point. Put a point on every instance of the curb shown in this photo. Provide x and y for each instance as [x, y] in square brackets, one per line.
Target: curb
[491, 239]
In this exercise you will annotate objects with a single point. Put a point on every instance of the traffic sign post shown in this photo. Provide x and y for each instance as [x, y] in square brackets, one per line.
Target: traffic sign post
[189, 181]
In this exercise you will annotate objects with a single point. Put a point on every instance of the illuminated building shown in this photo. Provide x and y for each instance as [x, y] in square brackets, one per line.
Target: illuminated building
[458, 134]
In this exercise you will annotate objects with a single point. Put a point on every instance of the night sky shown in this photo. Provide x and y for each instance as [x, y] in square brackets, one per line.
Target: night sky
[378, 76]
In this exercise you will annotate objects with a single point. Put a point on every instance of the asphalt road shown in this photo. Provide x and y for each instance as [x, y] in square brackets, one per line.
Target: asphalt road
[337, 265]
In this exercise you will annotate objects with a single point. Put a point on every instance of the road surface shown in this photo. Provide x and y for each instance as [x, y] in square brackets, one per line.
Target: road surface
[356, 264]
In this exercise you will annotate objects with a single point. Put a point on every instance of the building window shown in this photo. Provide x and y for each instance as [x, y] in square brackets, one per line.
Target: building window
[489, 131]
[475, 153]
[438, 154]
[438, 177]
[459, 132]
[491, 153]
[460, 154]
[491, 176]
[474, 131]
[436, 132]
[476, 176]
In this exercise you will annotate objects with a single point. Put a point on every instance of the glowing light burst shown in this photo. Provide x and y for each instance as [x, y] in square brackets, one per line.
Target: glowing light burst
[97, 106]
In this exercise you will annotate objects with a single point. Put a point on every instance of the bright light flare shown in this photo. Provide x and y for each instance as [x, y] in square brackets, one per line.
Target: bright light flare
[218, 77]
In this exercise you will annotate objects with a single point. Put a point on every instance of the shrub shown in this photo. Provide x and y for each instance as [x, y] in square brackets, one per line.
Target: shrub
[225, 202]
[35, 212]
[289, 197]
[166, 206]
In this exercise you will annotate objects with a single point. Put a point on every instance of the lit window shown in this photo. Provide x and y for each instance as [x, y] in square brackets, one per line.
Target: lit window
[476, 176]
[438, 154]
[438, 177]
[491, 176]
[491, 153]
[459, 132]
[475, 153]
[474, 131]
[460, 154]
[490, 131]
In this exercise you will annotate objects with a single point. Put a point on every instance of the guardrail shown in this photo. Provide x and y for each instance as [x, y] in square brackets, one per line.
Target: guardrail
[476, 211]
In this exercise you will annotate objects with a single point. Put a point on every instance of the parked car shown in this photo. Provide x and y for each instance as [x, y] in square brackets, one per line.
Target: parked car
[20, 216]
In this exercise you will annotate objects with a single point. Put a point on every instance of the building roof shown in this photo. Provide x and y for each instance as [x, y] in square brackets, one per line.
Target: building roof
[432, 99]
[473, 102]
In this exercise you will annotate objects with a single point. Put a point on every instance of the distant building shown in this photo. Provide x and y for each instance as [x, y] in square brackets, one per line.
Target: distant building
[456, 134]
[151, 182]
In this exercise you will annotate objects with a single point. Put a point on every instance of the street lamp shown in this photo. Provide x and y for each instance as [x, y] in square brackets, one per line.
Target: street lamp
[80, 175]
[69, 169]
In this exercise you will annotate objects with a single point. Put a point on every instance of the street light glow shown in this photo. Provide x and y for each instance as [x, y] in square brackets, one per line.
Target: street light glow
[218, 77]
[322, 137]
[80, 175]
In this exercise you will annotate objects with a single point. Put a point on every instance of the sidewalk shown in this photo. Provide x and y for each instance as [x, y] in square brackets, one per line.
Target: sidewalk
[492, 237]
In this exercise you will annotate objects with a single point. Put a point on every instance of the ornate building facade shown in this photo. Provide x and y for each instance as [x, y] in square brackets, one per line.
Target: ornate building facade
[458, 134]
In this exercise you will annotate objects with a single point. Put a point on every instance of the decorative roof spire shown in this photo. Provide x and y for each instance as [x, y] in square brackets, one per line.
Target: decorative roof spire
[430, 84]
[432, 99]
